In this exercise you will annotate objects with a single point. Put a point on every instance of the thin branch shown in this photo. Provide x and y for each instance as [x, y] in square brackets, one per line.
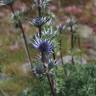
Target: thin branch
[24, 37]
[72, 42]
[39, 14]
[51, 85]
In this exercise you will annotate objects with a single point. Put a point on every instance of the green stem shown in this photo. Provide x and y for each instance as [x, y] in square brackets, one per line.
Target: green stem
[54, 56]
[60, 44]
[61, 55]
[72, 42]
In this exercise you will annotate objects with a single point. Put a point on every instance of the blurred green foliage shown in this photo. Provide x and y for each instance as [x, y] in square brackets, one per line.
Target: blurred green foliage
[73, 80]
[79, 80]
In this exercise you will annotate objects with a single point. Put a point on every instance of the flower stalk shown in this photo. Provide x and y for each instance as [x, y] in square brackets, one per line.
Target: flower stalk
[49, 78]
[54, 55]
[39, 9]
[45, 60]
[24, 36]
[61, 55]
[72, 41]
[45, 47]
[39, 14]
[60, 45]
[53, 92]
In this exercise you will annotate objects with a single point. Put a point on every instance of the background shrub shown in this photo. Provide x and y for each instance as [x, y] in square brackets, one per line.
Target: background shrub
[80, 80]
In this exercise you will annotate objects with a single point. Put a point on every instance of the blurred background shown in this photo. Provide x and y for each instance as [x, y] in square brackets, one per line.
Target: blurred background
[13, 59]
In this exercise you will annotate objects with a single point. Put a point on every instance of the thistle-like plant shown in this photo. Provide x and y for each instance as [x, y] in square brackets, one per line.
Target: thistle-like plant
[70, 25]
[51, 33]
[61, 27]
[41, 4]
[45, 47]
[45, 41]
[40, 20]
[16, 17]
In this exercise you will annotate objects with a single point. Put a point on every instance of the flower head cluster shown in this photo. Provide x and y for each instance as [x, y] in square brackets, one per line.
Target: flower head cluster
[49, 32]
[16, 17]
[70, 23]
[41, 3]
[44, 46]
[39, 21]
[6, 2]
[61, 27]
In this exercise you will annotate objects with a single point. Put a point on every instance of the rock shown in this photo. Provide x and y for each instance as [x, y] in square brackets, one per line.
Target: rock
[67, 60]
[3, 76]
[85, 31]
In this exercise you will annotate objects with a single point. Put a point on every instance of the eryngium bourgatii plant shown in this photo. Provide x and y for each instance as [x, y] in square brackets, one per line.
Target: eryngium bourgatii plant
[45, 47]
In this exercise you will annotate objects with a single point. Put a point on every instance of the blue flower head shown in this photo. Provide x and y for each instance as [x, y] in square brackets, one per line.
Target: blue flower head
[44, 46]
[39, 21]
[6, 2]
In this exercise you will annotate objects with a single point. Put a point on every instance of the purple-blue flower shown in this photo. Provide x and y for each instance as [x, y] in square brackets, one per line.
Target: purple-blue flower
[39, 21]
[44, 46]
